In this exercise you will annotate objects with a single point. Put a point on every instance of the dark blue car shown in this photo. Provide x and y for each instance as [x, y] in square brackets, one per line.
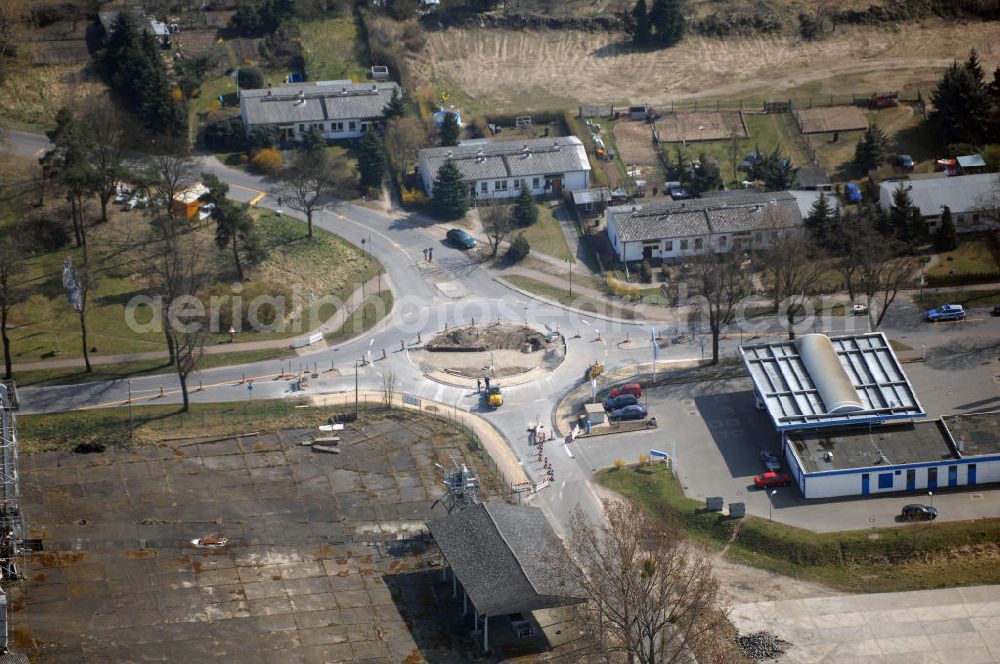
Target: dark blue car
[461, 238]
[620, 402]
[633, 412]
[852, 193]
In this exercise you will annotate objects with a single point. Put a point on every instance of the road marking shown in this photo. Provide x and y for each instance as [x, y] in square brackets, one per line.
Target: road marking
[256, 199]
[586, 322]
[568, 451]
[371, 342]
[255, 191]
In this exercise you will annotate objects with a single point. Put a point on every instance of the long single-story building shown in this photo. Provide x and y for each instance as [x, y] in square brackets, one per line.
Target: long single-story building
[845, 411]
[972, 199]
[339, 109]
[502, 169]
[726, 221]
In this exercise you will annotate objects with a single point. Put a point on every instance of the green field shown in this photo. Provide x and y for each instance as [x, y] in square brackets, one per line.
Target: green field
[563, 296]
[375, 308]
[333, 49]
[972, 256]
[911, 557]
[933, 297]
[546, 235]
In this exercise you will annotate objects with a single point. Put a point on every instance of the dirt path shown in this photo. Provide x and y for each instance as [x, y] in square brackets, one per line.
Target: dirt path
[524, 69]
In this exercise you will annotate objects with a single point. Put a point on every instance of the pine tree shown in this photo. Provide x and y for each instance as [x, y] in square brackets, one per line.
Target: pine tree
[946, 239]
[450, 130]
[659, 21]
[450, 198]
[819, 221]
[643, 28]
[371, 161]
[777, 171]
[872, 148]
[961, 104]
[525, 209]
[395, 107]
[900, 217]
[674, 30]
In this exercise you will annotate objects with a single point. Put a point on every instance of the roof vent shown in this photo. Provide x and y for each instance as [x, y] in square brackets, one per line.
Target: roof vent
[343, 91]
[302, 98]
[828, 456]
[480, 155]
[555, 145]
[525, 151]
[450, 153]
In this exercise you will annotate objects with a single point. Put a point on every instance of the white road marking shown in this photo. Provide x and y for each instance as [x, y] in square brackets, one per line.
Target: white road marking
[372, 341]
[568, 451]
[586, 322]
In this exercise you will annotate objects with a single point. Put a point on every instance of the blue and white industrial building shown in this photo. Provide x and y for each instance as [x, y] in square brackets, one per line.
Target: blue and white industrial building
[848, 418]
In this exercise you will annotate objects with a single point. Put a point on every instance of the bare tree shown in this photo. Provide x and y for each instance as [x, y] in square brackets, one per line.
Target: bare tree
[165, 177]
[79, 283]
[653, 595]
[792, 263]
[720, 281]
[496, 223]
[105, 150]
[403, 137]
[388, 387]
[882, 272]
[174, 275]
[12, 292]
[308, 183]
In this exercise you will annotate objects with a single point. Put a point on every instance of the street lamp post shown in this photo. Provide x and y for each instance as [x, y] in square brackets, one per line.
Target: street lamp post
[570, 276]
[931, 494]
[355, 390]
[770, 502]
[130, 409]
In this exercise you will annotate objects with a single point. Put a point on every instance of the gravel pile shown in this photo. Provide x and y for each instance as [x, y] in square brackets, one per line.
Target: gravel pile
[761, 645]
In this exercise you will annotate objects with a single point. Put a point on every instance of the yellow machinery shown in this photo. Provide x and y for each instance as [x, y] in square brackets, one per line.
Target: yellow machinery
[594, 370]
[493, 397]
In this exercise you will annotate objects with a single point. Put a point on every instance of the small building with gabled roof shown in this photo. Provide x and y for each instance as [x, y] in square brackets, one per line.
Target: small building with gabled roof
[502, 169]
[339, 109]
[504, 558]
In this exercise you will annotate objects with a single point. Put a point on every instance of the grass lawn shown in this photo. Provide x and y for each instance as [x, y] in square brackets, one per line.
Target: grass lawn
[333, 50]
[44, 377]
[45, 326]
[375, 308]
[563, 296]
[546, 236]
[933, 297]
[971, 257]
[913, 557]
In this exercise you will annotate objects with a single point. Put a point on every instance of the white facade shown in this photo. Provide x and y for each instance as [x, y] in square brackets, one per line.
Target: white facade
[972, 200]
[539, 185]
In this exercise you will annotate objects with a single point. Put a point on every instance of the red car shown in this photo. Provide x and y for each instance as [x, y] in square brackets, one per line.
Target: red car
[768, 480]
[631, 388]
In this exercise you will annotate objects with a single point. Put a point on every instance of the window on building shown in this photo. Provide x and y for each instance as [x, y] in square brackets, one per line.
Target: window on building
[722, 240]
[484, 187]
[536, 183]
[500, 185]
[668, 245]
[352, 125]
[757, 237]
[959, 218]
[302, 128]
[336, 126]
[684, 245]
[517, 184]
[697, 243]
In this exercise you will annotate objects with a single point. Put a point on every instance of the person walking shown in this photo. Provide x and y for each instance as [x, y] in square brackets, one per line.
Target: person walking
[425, 255]
[430, 255]
[479, 386]
[487, 383]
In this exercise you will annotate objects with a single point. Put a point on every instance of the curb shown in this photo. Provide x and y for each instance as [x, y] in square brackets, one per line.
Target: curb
[441, 376]
[552, 303]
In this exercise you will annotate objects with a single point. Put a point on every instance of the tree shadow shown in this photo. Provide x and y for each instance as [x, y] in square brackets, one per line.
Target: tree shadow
[620, 47]
[963, 353]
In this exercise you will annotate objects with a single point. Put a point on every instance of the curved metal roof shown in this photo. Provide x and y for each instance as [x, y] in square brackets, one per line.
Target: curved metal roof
[832, 381]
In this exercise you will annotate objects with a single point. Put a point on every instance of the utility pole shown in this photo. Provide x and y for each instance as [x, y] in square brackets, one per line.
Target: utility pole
[130, 409]
[570, 261]
[355, 389]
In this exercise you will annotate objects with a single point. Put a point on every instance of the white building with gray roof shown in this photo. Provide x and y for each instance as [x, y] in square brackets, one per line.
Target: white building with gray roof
[728, 221]
[972, 199]
[339, 109]
[502, 169]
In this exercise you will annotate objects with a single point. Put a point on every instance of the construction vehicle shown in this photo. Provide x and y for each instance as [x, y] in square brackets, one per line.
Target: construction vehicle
[593, 371]
[493, 397]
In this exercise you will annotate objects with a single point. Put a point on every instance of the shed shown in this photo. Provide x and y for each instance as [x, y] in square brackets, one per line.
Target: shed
[813, 178]
[188, 202]
[594, 412]
[972, 163]
[504, 557]
[639, 112]
[592, 200]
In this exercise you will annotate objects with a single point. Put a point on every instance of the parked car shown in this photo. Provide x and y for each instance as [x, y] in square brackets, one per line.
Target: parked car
[622, 400]
[918, 512]
[629, 388]
[461, 238]
[770, 461]
[860, 309]
[906, 162]
[749, 161]
[633, 412]
[852, 193]
[996, 309]
[946, 312]
[679, 193]
[771, 479]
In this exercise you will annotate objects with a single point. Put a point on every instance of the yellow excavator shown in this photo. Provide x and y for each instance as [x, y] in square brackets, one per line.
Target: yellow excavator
[593, 371]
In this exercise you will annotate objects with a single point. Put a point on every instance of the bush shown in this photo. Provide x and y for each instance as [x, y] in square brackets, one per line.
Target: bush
[479, 128]
[223, 134]
[265, 136]
[647, 271]
[267, 161]
[968, 279]
[620, 289]
[414, 199]
[519, 249]
[250, 78]
[39, 233]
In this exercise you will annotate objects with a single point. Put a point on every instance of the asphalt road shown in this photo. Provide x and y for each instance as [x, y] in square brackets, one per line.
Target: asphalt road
[454, 290]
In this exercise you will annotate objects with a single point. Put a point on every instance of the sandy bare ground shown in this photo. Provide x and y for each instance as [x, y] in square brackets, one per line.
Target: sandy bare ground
[522, 67]
[635, 143]
[835, 118]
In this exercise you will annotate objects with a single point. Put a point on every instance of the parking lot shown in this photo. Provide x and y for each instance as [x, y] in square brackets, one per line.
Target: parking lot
[717, 434]
[313, 571]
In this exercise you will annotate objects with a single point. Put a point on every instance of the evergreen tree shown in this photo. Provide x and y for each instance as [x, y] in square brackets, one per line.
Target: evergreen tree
[706, 177]
[961, 104]
[450, 199]
[777, 171]
[233, 224]
[643, 28]
[674, 29]
[395, 107]
[450, 130]
[518, 249]
[659, 21]
[525, 209]
[900, 218]
[314, 144]
[917, 228]
[946, 239]
[820, 221]
[872, 148]
[371, 161]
